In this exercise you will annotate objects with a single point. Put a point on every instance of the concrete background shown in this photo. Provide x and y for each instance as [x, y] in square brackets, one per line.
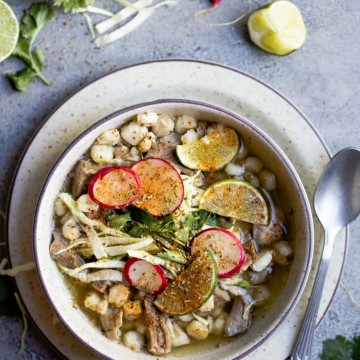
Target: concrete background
[322, 79]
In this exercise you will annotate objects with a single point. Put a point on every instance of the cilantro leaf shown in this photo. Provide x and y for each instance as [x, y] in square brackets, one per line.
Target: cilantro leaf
[22, 78]
[119, 221]
[73, 5]
[356, 348]
[337, 349]
[35, 18]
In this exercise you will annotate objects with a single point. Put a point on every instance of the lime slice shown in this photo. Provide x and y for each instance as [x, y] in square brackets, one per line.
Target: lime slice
[237, 199]
[191, 288]
[211, 152]
[9, 30]
[277, 28]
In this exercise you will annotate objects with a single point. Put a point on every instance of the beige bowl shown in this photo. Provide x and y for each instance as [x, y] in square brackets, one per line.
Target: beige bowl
[294, 203]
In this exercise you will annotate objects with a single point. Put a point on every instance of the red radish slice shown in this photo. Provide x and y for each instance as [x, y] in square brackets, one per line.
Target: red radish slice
[114, 187]
[226, 248]
[162, 190]
[145, 276]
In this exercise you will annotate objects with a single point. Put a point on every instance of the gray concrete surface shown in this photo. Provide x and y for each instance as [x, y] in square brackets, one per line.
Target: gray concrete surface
[322, 79]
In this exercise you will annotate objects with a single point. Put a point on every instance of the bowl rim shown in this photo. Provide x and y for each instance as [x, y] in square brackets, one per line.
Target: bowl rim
[302, 192]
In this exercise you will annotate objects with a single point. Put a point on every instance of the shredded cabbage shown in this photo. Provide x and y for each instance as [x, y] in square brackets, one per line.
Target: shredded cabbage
[120, 250]
[107, 274]
[142, 15]
[73, 245]
[100, 11]
[90, 25]
[15, 270]
[96, 244]
[121, 16]
[102, 264]
[141, 254]
[82, 218]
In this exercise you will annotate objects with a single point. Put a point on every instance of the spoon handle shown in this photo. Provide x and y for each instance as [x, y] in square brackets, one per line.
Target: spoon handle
[302, 349]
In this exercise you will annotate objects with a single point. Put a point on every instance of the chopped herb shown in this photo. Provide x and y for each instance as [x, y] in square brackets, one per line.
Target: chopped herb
[341, 348]
[35, 18]
[73, 5]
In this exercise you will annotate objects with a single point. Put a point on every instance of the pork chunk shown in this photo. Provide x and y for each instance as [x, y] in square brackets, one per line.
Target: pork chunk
[158, 333]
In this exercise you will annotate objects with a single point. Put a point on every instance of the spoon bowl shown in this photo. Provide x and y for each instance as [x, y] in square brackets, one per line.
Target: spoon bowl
[337, 196]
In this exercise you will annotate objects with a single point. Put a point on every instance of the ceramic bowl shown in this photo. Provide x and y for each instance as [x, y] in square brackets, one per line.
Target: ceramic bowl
[294, 202]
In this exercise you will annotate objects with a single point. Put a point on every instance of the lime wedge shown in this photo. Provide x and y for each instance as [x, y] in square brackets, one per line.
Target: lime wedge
[210, 153]
[9, 30]
[237, 199]
[277, 28]
[191, 288]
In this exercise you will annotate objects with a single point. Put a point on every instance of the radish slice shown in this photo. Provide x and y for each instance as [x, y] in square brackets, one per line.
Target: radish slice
[162, 190]
[226, 248]
[145, 276]
[114, 187]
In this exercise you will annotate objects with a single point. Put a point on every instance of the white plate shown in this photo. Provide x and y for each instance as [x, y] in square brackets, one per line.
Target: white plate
[208, 82]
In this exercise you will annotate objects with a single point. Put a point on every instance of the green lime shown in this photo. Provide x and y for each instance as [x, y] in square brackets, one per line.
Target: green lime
[277, 28]
[237, 199]
[191, 288]
[9, 30]
[210, 153]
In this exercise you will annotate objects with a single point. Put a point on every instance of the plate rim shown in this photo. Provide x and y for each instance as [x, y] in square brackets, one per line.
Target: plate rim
[148, 62]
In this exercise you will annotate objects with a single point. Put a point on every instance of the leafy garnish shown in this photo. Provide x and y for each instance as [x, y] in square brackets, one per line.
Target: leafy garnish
[73, 5]
[35, 18]
[341, 348]
[119, 221]
[178, 256]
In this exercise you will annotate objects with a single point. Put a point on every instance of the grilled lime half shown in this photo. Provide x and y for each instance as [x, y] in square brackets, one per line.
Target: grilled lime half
[210, 153]
[237, 199]
[191, 288]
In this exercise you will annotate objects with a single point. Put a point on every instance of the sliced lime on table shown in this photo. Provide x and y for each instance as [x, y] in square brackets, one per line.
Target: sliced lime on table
[210, 153]
[9, 30]
[237, 199]
[277, 28]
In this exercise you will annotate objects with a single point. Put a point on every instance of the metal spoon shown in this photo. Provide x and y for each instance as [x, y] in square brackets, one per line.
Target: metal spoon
[337, 204]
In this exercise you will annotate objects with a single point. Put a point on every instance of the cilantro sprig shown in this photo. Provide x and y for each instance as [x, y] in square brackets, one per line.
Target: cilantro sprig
[137, 222]
[341, 348]
[35, 18]
[73, 5]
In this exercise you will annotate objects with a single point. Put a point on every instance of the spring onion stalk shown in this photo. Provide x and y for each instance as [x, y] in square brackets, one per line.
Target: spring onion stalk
[122, 15]
[120, 250]
[102, 264]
